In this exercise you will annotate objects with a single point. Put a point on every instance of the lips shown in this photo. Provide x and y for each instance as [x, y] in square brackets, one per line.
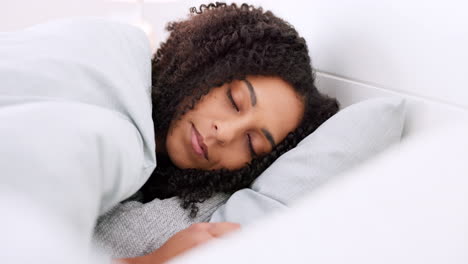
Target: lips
[197, 143]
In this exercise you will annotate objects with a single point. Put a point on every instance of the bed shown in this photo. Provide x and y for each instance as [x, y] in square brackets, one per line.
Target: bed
[407, 204]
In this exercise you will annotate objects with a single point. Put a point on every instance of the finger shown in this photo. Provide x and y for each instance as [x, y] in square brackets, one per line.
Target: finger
[220, 229]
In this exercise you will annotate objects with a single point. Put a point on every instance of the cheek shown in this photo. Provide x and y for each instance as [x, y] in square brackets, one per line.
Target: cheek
[232, 158]
[211, 107]
[174, 131]
[175, 145]
[170, 139]
[171, 143]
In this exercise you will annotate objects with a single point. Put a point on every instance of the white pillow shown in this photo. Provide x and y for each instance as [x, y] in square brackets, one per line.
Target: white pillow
[348, 138]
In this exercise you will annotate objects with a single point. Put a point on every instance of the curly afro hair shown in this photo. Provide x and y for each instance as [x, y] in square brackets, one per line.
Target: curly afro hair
[217, 44]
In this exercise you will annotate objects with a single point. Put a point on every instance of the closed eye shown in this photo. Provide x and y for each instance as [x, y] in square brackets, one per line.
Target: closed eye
[229, 95]
[252, 151]
[249, 138]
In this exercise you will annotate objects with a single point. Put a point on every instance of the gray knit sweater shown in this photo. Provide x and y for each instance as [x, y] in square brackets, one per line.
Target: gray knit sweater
[133, 229]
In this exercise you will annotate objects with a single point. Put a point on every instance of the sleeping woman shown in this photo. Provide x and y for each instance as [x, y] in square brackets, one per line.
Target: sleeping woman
[233, 89]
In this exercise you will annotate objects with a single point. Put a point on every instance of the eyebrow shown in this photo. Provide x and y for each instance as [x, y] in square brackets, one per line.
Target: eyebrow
[253, 101]
[253, 96]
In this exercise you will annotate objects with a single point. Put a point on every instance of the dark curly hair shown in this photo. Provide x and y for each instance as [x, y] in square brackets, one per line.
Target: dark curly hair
[220, 43]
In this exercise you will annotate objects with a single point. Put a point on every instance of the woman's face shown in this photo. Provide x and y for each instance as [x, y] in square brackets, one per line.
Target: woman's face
[234, 123]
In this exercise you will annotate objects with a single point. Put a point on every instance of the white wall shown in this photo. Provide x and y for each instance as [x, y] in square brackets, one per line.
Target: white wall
[418, 47]
[16, 14]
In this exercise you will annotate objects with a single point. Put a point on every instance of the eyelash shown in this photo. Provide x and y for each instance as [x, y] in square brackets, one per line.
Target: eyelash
[249, 139]
[229, 94]
[252, 151]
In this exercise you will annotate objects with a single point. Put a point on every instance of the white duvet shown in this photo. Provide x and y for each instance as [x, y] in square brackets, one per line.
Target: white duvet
[75, 128]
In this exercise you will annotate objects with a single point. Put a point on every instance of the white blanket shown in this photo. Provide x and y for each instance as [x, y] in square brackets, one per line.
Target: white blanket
[76, 132]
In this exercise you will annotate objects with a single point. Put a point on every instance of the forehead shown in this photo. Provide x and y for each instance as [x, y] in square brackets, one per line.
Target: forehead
[279, 107]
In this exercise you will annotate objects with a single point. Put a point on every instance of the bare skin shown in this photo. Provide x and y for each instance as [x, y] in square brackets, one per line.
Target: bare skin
[235, 122]
[183, 241]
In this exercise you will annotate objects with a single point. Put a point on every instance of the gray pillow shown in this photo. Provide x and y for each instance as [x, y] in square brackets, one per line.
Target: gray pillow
[351, 136]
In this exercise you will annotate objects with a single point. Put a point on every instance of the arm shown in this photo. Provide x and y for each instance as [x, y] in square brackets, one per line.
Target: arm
[184, 240]
[136, 229]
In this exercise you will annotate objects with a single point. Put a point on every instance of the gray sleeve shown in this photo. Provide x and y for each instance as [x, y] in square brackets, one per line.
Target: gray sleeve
[134, 229]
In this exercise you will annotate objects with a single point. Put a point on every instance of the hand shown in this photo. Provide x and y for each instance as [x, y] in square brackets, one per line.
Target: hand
[184, 240]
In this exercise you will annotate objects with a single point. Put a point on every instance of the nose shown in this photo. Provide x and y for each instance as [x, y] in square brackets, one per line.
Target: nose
[227, 131]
